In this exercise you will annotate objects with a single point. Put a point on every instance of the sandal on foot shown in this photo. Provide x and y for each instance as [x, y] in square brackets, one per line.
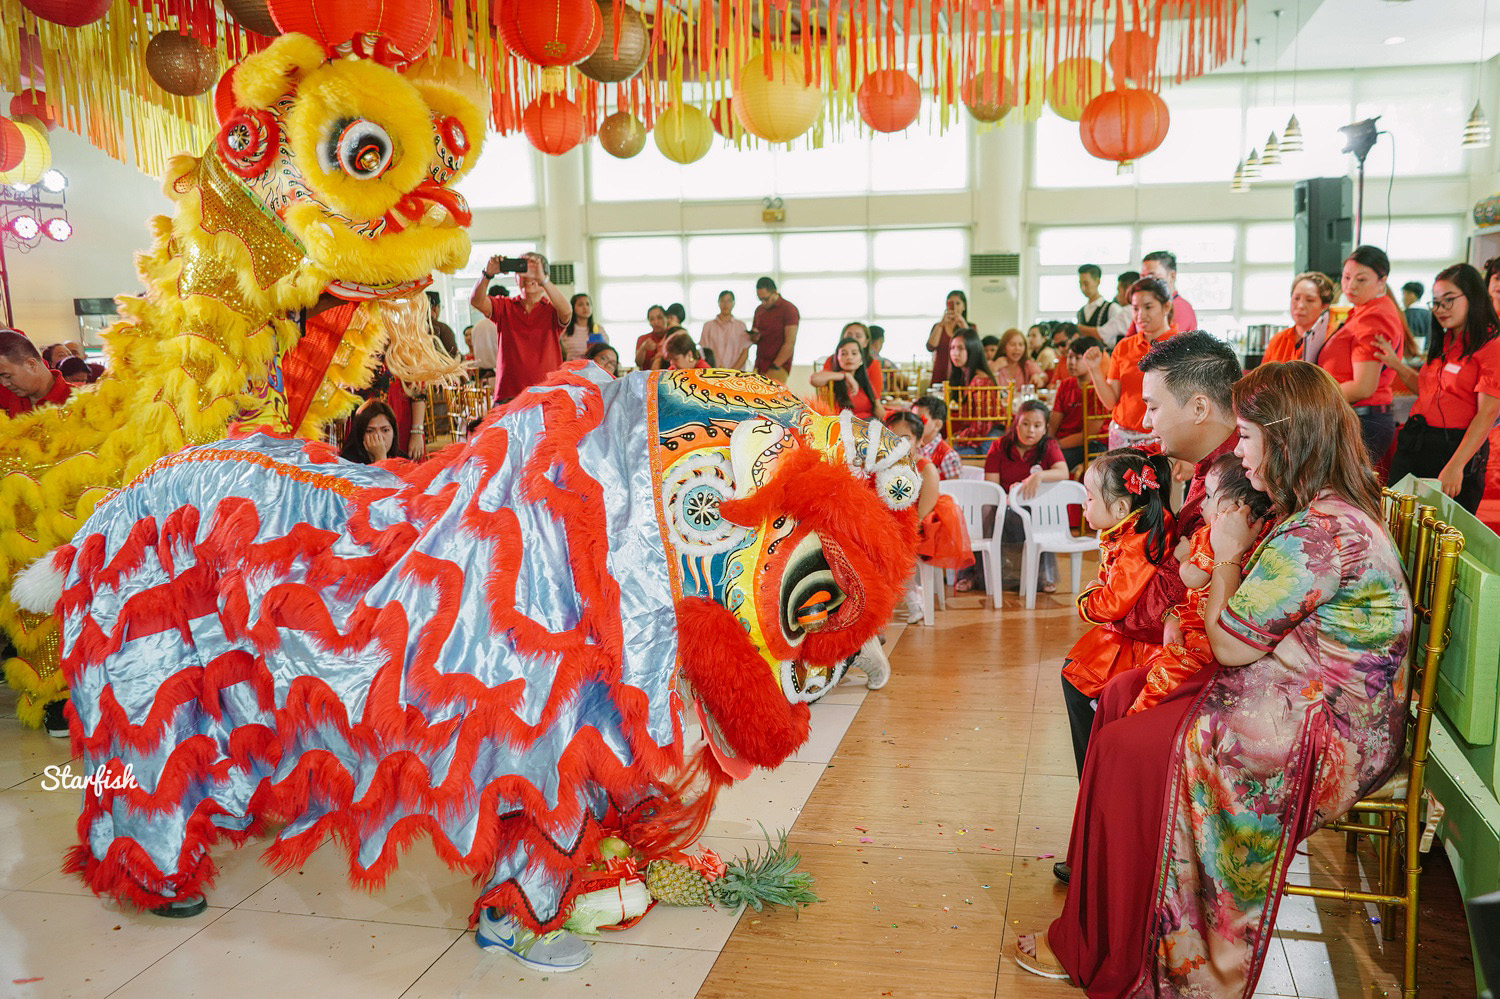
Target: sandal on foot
[1041, 961]
[182, 908]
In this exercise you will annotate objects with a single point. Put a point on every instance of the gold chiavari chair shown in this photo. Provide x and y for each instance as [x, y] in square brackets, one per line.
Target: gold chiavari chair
[1431, 550]
[985, 408]
[1096, 419]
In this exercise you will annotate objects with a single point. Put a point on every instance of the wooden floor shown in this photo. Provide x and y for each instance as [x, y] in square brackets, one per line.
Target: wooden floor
[933, 832]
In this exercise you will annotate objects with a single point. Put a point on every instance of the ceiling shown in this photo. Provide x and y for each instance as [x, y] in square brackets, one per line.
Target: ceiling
[1351, 34]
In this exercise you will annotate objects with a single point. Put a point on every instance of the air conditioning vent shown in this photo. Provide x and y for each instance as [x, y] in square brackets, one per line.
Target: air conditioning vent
[994, 265]
[562, 273]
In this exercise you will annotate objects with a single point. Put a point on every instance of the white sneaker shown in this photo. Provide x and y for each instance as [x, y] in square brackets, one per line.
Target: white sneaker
[556, 951]
[871, 658]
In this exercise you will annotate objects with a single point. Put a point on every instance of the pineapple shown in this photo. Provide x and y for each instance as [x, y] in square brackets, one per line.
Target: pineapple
[770, 879]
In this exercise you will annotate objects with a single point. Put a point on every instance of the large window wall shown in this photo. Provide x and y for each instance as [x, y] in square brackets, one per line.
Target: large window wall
[897, 278]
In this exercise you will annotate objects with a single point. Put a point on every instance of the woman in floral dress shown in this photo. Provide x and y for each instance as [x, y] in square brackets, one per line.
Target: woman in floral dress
[1189, 812]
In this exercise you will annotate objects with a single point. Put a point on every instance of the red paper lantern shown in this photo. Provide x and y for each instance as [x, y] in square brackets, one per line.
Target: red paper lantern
[888, 100]
[553, 124]
[988, 95]
[12, 145]
[409, 27]
[68, 13]
[1124, 125]
[723, 119]
[1132, 55]
[33, 103]
[551, 32]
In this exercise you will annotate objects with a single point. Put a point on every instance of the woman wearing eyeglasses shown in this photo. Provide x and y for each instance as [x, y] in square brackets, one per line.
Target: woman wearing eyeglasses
[1458, 389]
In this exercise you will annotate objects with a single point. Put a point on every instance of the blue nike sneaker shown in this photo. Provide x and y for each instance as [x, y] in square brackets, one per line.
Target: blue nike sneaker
[556, 951]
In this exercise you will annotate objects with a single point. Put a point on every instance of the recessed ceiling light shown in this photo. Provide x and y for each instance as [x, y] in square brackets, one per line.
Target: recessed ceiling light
[1395, 40]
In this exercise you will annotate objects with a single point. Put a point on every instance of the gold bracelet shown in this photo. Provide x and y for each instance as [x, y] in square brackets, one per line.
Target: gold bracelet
[1229, 561]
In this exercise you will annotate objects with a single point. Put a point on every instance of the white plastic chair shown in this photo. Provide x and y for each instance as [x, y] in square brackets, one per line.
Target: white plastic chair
[971, 497]
[1045, 518]
[971, 473]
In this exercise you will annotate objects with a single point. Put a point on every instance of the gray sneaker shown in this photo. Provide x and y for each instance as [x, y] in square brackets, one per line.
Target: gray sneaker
[556, 951]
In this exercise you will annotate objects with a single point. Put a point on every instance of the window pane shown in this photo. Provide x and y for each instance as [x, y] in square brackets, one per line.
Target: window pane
[646, 176]
[1061, 160]
[703, 300]
[838, 298]
[640, 255]
[906, 339]
[1184, 157]
[921, 160]
[1107, 246]
[1269, 243]
[821, 252]
[920, 249]
[1268, 291]
[480, 253]
[912, 296]
[504, 177]
[621, 305]
[737, 253]
[1428, 239]
[1207, 291]
[840, 167]
[726, 173]
[1059, 293]
[1193, 244]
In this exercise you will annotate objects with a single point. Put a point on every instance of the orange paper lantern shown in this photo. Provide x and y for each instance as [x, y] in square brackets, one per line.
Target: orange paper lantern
[553, 124]
[684, 134]
[36, 158]
[776, 103]
[622, 135]
[1072, 85]
[12, 145]
[180, 64]
[988, 95]
[889, 99]
[551, 32]
[1132, 55]
[33, 104]
[619, 59]
[1123, 125]
[409, 26]
[68, 13]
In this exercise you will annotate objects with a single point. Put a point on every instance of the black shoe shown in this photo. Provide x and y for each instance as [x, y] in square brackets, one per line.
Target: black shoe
[1062, 872]
[182, 908]
[55, 719]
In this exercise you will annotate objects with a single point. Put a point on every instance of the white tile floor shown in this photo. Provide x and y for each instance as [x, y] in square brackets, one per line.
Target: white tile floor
[306, 932]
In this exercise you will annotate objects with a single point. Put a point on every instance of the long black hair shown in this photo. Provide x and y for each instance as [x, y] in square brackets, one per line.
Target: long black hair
[1480, 327]
[1010, 440]
[1117, 470]
[573, 315]
[861, 376]
[354, 443]
[976, 361]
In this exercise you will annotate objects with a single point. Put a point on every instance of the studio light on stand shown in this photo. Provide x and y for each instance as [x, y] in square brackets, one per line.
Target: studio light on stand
[1359, 139]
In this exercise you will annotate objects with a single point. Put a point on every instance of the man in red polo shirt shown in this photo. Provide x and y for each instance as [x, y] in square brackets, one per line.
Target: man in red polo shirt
[529, 325]
[25, 380]
[774, 330]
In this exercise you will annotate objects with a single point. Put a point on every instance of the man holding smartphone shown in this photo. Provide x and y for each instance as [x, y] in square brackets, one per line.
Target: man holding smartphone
[774, 332]
[529, 324]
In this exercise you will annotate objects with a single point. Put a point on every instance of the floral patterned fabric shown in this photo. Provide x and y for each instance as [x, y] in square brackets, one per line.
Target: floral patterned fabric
[1276, 749]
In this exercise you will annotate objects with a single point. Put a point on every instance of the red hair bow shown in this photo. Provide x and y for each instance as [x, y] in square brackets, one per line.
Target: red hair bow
[1136, 482]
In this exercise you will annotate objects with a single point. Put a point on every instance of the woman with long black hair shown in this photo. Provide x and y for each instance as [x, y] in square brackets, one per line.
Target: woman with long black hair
[372, 434]
[850, 378]
[972, 414]
[582, 332]
[1458, 390]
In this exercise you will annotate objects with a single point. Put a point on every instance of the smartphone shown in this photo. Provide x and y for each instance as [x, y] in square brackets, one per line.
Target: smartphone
[513, 265]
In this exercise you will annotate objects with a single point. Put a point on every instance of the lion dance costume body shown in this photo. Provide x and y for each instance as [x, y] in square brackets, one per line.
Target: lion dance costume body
[492, 650]
[329, 177]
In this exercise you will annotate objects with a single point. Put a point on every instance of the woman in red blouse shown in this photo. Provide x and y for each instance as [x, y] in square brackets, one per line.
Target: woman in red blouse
[1351, 356]
[973, 415]
[851, 382]
[1458, 390]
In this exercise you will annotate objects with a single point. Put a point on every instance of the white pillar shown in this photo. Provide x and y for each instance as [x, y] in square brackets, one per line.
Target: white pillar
[999, 192]
[565, 214]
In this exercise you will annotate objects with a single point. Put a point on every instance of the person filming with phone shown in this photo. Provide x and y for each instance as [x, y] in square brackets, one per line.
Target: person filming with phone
[530, 324]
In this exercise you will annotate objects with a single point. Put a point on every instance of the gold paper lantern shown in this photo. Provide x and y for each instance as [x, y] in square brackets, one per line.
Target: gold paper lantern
[1072, 85]
[35, 161]
[684, 133]
[180, 64]
[778, 105]
[622, 135]
[609, 64]
[988, 95]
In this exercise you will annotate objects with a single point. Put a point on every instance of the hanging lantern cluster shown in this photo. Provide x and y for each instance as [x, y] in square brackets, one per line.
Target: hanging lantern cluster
[25, 153]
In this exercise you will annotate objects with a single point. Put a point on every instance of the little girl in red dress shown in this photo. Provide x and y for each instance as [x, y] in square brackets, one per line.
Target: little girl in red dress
[1126, 504]
[1186, 649]
[942, 538]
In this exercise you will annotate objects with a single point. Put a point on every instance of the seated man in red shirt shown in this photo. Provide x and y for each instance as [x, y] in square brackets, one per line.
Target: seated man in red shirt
[1066, 421]
[529, 325]
[25, 380]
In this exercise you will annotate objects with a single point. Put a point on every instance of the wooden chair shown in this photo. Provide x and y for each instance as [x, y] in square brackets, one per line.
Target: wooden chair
[1096, 419]
[1393, 813]
[988, 406]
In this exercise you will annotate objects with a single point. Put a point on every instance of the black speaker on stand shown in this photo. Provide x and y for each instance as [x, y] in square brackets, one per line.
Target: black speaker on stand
[1323, 224]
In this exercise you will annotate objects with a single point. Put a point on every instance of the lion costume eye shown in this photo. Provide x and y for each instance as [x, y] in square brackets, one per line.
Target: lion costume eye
[360, 148]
